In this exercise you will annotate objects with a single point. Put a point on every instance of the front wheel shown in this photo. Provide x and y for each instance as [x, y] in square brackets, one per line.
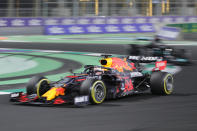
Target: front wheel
[37, 85]
[161, 83]
[96, 90]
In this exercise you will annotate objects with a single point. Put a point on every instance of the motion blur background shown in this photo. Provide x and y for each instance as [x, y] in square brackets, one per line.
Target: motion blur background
[68, 8]
[31, 17]
[68, 34]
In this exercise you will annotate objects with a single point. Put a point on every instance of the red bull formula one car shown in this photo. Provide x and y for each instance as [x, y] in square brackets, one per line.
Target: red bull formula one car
[116, 77]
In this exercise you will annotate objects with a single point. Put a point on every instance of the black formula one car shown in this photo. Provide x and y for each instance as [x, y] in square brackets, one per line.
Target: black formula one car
[158, 49]
[116, 77]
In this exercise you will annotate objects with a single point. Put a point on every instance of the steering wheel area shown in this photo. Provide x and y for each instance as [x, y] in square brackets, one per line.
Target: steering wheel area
[95, 70]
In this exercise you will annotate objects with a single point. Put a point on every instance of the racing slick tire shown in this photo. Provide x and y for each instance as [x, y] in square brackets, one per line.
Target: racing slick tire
[161, 83]
[135, 49]
[184, 57]
[95, 89]
[37, 85]
[180, 53]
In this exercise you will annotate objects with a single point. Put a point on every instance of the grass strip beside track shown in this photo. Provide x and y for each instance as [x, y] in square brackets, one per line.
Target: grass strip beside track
[82, 59]
[91, 39]
[44, 65]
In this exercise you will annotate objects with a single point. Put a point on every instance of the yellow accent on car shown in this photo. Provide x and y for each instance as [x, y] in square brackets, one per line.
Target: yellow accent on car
[53, 92]
[93, 93]
[109, 62]
[165, 88]
[38, 85]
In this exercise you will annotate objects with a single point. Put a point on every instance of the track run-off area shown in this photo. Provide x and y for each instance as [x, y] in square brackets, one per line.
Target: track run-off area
[20, 59]
[119, 39]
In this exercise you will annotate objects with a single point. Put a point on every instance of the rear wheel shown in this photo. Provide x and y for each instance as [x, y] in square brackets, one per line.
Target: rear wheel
[95, 89]
[161, 83]
[37, 85]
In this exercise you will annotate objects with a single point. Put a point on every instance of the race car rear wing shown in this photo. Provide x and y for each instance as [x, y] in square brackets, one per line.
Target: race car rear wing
[144, 59]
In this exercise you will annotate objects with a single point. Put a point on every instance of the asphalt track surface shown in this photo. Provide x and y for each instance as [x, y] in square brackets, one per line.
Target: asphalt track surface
[143, 112]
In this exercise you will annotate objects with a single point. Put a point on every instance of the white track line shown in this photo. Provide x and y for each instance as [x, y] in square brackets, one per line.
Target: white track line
[4, 93]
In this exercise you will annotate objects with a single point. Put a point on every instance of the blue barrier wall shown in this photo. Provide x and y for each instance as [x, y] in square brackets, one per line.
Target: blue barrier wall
[98, 29]
[87, 25]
